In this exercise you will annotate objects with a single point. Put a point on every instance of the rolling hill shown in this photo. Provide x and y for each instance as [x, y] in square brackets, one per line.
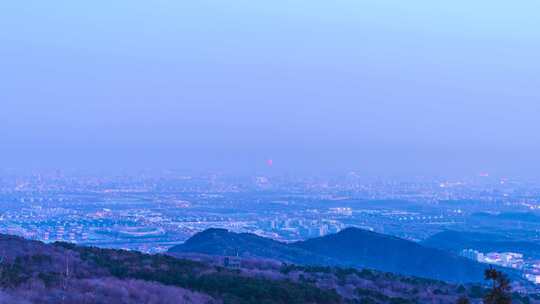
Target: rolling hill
[351, 247]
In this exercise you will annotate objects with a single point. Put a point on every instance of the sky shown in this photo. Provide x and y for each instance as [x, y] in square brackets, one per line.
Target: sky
[383, 88]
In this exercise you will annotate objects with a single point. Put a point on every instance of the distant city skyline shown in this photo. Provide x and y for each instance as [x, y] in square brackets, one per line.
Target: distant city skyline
[384, 88]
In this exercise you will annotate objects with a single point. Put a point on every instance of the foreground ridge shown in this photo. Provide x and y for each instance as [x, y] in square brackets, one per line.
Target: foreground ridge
[34, 272]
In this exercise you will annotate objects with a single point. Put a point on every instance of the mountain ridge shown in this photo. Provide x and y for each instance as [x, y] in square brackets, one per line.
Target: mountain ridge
[351, 247]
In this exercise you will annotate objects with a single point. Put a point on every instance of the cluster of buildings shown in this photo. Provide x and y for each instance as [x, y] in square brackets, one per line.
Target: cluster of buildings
[505, 259]
[303, 228]
[530, 268]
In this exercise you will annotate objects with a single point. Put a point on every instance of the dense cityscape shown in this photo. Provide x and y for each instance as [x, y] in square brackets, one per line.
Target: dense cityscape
[152, 213]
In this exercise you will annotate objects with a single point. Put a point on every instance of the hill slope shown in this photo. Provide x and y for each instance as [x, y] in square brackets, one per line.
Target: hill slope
[33, 272]
[361, 248]
[222, 242]
[351, 247]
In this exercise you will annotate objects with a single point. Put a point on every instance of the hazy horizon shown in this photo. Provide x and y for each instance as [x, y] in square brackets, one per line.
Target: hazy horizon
[378, 87]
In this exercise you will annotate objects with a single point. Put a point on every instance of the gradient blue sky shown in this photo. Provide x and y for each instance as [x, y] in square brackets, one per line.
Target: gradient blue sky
[380, 87]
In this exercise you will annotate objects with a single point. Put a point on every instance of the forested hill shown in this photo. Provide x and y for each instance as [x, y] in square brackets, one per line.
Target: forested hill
[351, 247]
[32, 272]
